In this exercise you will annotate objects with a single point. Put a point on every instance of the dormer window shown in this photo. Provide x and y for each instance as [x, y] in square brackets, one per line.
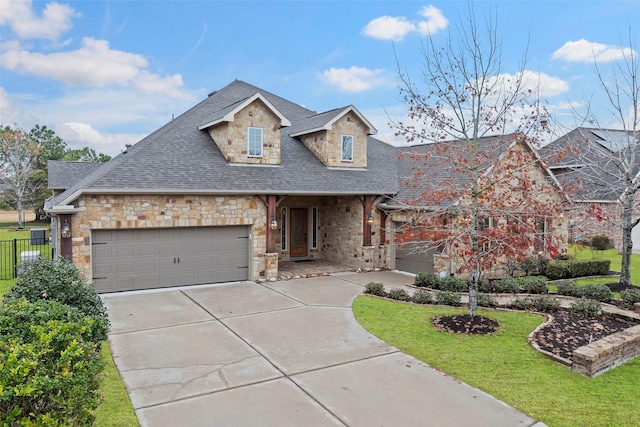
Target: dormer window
[254, 144]
[347, 148]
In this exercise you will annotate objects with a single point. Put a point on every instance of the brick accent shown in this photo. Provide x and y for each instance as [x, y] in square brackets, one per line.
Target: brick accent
[159, 211]
[231, 137]
[327, 145]
[605, 354]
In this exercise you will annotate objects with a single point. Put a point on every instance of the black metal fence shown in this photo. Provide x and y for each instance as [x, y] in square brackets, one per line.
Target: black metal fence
[14, 253]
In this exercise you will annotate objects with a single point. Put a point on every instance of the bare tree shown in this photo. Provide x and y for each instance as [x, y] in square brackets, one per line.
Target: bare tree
[473, 195]
[19, 155]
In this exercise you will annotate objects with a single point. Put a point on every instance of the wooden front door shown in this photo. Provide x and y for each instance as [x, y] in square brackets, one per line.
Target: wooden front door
[298, 236]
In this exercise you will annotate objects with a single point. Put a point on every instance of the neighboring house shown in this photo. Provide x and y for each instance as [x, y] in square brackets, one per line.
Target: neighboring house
[227, 190]
[518, 175]
[596, 191]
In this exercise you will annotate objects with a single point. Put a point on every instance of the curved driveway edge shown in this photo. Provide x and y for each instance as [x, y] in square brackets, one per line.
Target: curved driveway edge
[282, 353]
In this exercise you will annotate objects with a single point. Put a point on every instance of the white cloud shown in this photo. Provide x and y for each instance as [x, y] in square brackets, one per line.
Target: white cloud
[78, 135]
[10, 113]
[396, 28]
[94, 64]
[354, 79]
[586, 51]
[547, 85]
[19, 15]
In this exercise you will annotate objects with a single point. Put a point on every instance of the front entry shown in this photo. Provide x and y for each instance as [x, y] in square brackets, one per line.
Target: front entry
[298, 237]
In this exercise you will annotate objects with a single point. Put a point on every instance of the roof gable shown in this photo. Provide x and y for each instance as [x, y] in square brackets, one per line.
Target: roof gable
[228, 114]
[326, 120]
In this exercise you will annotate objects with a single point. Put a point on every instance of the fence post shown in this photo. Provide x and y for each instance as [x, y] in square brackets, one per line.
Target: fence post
[15, 258]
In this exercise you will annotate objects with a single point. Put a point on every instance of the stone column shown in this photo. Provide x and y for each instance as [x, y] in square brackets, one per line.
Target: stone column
[271, 266]
[367, 257]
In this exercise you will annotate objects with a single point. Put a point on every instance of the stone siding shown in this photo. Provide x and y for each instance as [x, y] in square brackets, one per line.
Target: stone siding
[327, 145]
[607, 353]
[232, 139]
[154, 211]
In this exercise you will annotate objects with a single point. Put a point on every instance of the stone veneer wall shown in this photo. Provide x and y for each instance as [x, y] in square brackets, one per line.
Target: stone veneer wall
[232, 138]
[155, 211]
[607, 353]
[327, 145]
[586, 225]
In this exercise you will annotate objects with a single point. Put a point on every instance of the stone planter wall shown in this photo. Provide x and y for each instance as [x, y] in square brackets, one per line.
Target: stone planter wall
[607, 353]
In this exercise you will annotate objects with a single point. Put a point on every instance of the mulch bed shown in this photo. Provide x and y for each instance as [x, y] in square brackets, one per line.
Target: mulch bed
[617, 287]
[567, 332]
[465, 324]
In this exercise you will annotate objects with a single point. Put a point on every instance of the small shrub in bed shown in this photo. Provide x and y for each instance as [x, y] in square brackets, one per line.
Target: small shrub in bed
[427, 280]
[545, 304]
[447, 298]
[374, 288]
[486, 300]
[533, 284]
[600, 293]
[568, 288]
[521, 304]
[600, 242]
[508, 285]
[586, 307]
[399, 294]
[454, 284]
[421, 297]
[629, 297]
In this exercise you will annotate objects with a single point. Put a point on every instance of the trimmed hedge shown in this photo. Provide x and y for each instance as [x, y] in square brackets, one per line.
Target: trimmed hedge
[600, 293]
[577, 268]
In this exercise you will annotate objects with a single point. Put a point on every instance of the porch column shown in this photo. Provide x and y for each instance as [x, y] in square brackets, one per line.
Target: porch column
[383, 228]
[366, 226]
[271, 214]
[66, 243]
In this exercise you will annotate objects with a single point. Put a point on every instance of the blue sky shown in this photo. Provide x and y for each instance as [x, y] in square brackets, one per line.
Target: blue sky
[106, 73]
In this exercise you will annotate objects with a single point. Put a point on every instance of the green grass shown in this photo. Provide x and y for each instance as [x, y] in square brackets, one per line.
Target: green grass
[116, 409]
[506, 366]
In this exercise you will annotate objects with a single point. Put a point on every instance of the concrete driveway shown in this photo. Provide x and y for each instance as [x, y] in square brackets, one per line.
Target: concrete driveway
[286, 353]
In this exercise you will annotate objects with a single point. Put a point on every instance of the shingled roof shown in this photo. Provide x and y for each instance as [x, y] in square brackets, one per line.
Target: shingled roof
[62, 175]
[180, 158]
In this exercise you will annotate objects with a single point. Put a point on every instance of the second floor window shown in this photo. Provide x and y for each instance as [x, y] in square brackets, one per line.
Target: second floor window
[347, 148]
[254, 148]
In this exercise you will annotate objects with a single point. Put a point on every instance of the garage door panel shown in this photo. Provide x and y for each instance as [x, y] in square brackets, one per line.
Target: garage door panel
[148, 258]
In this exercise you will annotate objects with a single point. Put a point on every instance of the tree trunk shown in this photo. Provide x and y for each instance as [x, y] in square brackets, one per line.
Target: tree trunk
[627, 242]
[20, 219]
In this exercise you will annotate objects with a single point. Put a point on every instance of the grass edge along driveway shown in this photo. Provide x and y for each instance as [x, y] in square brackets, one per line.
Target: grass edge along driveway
[506, 366]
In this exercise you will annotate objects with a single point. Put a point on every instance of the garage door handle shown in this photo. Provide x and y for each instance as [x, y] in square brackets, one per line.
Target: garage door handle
[176, 260]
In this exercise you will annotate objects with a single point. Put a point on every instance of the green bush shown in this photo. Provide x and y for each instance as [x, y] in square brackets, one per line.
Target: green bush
[533, 284]
[374, 288]
[521, 304]
[545, 304]
[529, 265]
[49, 368]
[629, 297]
[453, 284]
[399, 294]
[421, 297]
[447, 298]
[59, 281]
[486, 300]
[600, 242]
[577, 268]
[508, 285]
[568, 288]
[586, 307]
[600, 293]
[427, 280]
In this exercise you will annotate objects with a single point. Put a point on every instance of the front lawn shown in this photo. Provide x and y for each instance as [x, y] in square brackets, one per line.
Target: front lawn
[586, 253]
[506, 366]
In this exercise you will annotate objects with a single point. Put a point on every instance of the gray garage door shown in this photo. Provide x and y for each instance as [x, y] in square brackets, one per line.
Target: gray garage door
[157, 258]
[414, 262]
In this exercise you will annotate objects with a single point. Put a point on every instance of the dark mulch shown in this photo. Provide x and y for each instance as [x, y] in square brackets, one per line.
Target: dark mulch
[617, 287]
[567, 331]
[466, 324]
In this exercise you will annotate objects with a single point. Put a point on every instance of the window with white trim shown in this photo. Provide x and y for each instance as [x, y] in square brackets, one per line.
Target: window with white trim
[347, 148]
[254, 143]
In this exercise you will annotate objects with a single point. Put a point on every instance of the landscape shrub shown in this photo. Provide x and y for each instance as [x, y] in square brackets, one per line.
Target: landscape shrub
[374, 288]
[50, 365]
[520, 304]
[629, 297]
[447, 298]
[528, 265]
[59, 281]
[600, 293]
[533, 284]
[508, 285]
[600, 242]
[427, 280]
[545, 304]
[421, 297]
[586, 307]
[486, 286]
[568, 288]
[399, 294]
[454, 284]
[486, 300]
[577, 268]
